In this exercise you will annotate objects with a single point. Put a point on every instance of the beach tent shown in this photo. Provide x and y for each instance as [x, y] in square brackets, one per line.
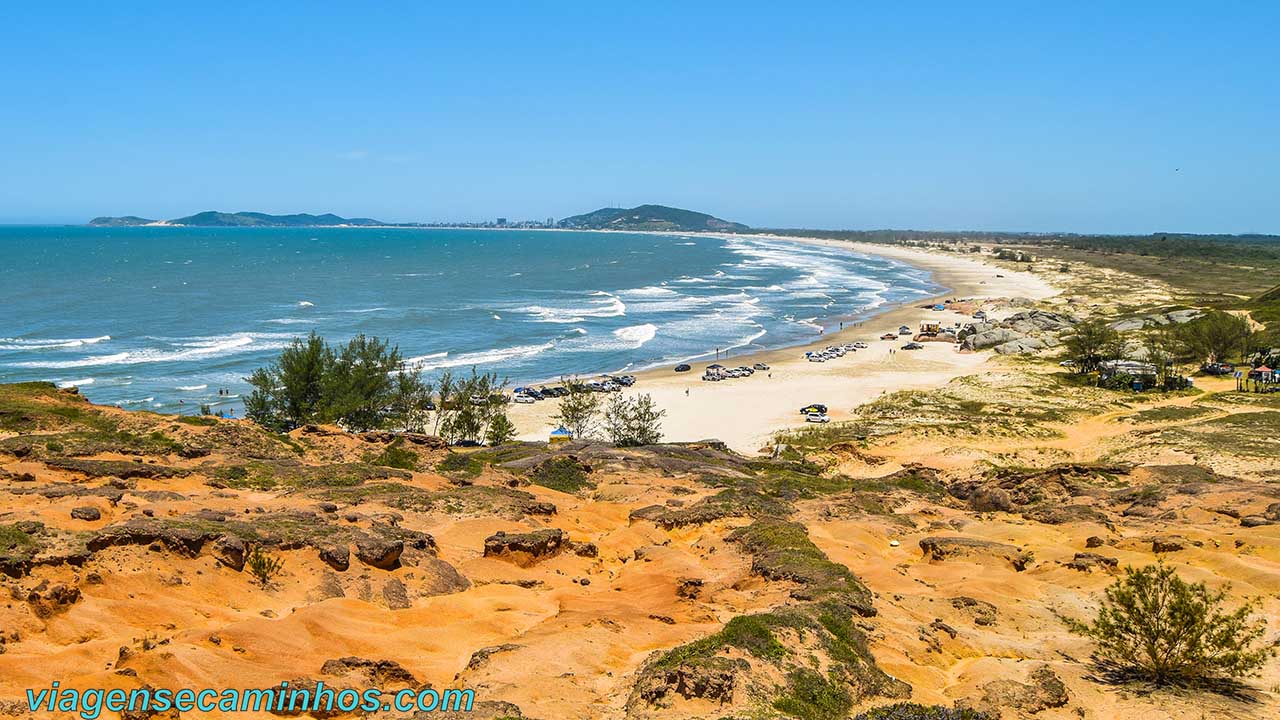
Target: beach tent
[560, 435]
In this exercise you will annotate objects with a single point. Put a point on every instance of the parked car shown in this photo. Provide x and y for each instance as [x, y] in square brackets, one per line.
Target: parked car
[904, 330]
[817, 358]
[913, 346]
[861, 345]
[761, 366]
[818, 408]
[817, 418]
[626, 380]
[522, 399]
[1217, 368]
[683, 367]
[889, 336]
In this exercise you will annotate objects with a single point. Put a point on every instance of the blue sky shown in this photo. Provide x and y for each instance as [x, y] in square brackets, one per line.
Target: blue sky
[1106, 117]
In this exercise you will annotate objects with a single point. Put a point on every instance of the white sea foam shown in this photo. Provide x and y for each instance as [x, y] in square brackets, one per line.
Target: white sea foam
[191, 388]
[644, 292]
[189, 349]
[294, 321]
[49, 343]
[603, 306]
[75, 383]
[636, 335]
[306, 303]
[481, 357]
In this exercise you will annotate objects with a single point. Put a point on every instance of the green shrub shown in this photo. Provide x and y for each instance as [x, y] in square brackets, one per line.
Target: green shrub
[460, 464]
[813, 697]
[394, 456]
[264, 567]
[561, 473]
[915, 711]
[1155, 626]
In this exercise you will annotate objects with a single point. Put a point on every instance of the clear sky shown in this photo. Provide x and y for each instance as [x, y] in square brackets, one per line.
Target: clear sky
[1106, 117]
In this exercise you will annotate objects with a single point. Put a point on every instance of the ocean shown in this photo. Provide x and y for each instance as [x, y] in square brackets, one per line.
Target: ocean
[163, 318]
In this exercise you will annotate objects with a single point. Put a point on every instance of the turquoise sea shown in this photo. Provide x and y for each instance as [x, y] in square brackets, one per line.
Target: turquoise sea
[162, 318]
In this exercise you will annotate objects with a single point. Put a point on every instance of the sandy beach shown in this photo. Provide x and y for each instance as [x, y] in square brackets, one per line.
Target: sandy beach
[744, 413]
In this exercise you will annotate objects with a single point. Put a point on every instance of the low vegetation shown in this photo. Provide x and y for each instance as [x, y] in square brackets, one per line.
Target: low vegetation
[263, 567]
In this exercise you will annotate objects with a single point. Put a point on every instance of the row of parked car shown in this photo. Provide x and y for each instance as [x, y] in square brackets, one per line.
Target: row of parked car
[831, 352]
[718, 372]
[606, 383]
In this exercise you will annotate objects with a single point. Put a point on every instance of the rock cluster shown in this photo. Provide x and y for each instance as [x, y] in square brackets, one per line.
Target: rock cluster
[1175, 317]
[1022, 332]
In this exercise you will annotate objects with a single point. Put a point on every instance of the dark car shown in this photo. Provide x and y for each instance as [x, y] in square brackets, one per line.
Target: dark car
[683, 367]
[814, 409]
[913, 346]
[1217, 368]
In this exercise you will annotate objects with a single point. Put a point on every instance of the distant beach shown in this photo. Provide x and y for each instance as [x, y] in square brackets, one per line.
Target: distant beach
[746, 412]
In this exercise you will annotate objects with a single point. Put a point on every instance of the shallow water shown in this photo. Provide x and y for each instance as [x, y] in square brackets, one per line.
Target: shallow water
[162, 318]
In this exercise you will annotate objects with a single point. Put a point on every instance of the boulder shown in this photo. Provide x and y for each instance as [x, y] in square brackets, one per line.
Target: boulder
[990, 499]
[1087, 561]
[439, 578]
[378, 552]
[395, 594]
[230, 551]
[337, 557]
[87, 513]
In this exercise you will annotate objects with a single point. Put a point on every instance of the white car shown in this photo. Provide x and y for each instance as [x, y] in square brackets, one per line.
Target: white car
[761, 366]
[817, 418]
[817, 358]
[522, 399]
[861, 345]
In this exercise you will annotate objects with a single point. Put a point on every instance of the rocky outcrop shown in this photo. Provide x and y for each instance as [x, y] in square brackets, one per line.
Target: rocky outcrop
[1021, 332]
[525, 548]
[946, 548]
[981, 611]
[714, 680]
[1042, 691]
[181, 539]
[1175, 317]
[374, 672]
[114, 468]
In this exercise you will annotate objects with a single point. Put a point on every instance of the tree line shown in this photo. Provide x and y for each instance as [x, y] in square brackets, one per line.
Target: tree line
[1215, 337]
[365, 384]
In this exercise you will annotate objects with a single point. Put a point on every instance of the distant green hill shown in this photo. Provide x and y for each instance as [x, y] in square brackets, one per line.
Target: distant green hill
[124, 221]
[213, 218]
[649, 217]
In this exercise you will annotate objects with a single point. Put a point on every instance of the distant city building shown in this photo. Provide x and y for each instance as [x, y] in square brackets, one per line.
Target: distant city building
[551, 222]
[502, 222]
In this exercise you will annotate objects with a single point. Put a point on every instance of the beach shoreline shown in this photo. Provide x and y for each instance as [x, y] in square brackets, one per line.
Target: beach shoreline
[745, 413]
